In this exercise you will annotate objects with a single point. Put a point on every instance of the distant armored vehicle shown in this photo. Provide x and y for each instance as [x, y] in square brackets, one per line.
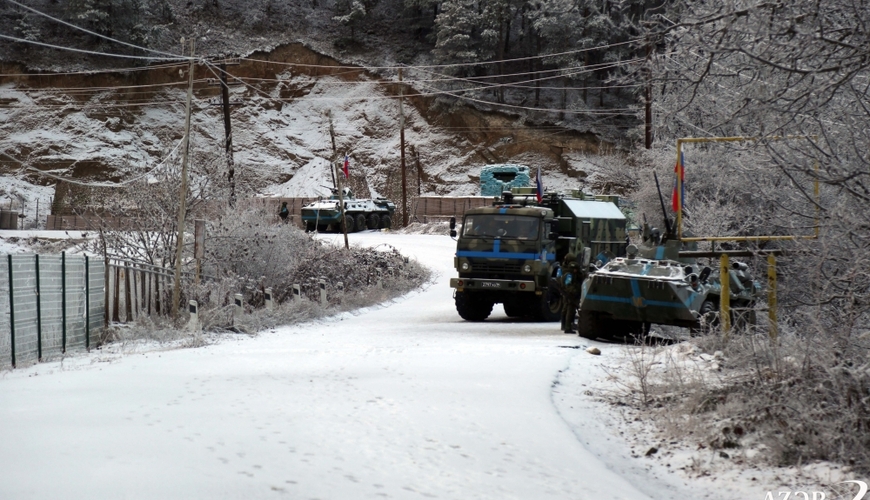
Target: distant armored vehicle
[653, 285]
[509, 253]
[359, 214]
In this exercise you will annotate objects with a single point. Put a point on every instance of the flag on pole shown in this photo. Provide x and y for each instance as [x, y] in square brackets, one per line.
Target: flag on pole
[678, 199]
[346, 166]
[539, 186]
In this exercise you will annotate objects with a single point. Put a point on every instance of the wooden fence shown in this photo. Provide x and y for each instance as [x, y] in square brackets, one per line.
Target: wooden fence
[422, 209]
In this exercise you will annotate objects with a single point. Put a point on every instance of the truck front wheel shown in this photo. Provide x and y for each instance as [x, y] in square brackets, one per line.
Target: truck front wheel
[550, 305]
[472, 308]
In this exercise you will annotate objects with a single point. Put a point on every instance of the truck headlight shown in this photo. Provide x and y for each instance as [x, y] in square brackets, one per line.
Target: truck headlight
[527, 268]
[465, 266]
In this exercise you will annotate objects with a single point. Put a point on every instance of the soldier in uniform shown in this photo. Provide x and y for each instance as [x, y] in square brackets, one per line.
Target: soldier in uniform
[284, 213]
[570, 282]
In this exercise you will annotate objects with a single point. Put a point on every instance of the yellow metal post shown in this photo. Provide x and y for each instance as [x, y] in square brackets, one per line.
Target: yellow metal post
[679, 191]
[725, 297]
[771, 295]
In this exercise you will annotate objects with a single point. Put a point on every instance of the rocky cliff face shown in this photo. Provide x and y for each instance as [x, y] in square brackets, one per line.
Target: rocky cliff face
[110, 126]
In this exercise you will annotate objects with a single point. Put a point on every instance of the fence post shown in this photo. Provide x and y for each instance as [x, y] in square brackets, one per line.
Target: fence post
[239, 309]
[193, 324]
[725, 296]
[87, 304]
[11, 310]
[268, 295]
[63, 300]
[38, 313]
[322, 284]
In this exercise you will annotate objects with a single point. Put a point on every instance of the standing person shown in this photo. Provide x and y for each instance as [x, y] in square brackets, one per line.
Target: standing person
[284, 213]
[570, 282]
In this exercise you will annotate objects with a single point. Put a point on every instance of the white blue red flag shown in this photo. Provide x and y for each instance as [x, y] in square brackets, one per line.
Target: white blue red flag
[678, 199]
[539, 186]
[346, 166]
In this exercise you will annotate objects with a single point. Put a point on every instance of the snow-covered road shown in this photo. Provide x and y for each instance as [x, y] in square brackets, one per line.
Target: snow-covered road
[403, 400]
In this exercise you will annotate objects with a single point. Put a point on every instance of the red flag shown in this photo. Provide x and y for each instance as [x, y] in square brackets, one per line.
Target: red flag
[678, 199]
[346, 165]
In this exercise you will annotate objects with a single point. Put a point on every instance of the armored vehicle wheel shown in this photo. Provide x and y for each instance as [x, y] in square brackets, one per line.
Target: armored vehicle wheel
[359, 222]
[386, 222]
[374, 221]
[348, 223]
[322, 228]
[708, 317]
[588, 325]
[309, 227]
[472, 308]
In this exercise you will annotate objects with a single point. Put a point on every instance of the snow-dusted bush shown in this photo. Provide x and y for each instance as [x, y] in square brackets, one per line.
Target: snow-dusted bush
[247, 251]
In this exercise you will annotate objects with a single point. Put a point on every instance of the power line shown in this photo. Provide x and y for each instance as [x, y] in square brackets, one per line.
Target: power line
[83, 51]
[92, 71]
[174, 56]
[451, 65]
[95, 184]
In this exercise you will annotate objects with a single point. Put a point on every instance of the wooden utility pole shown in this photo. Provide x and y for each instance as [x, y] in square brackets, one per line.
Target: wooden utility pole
[341, 205]
[231, 167]
[334, 152]
[182, 202]
[402, 143]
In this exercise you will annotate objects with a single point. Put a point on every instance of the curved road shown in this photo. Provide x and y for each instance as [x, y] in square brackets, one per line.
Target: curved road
[403, 400]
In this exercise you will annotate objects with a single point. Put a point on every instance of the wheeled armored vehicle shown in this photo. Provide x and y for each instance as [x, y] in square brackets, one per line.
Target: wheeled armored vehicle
[359, 214]
[654, 285]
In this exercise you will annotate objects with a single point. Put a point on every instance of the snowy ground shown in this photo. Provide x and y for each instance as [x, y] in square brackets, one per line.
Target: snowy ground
[403, 400]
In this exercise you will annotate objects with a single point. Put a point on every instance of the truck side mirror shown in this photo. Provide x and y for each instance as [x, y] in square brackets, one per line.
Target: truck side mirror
[453, 223]
[587, 257]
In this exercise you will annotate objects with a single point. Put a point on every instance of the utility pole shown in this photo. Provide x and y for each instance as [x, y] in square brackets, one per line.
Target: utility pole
[334, 152]
[231, 167]
[402, 143]
[341, 205]
[182, 202]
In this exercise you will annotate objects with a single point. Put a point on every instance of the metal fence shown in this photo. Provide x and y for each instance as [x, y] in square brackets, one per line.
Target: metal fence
[49, 305]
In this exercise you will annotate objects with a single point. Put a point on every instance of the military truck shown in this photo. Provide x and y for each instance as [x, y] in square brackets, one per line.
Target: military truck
[654, 285]
[359, 214]
[509, 253]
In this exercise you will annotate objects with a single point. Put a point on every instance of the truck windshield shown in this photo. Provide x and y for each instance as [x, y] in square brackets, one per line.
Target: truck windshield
[502, 226]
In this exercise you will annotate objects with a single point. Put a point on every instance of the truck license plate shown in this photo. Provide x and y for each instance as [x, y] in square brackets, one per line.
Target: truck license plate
[489, 284]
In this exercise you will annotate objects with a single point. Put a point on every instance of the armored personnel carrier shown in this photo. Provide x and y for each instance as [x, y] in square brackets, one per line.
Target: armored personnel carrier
[653, 285]
[359, 214]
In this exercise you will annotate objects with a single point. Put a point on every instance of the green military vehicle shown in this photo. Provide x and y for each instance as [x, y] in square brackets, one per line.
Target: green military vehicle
[359, 214]
[654, 285]
[509, 253]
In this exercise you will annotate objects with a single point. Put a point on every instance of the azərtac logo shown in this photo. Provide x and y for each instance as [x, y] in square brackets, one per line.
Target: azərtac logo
[816, 495]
